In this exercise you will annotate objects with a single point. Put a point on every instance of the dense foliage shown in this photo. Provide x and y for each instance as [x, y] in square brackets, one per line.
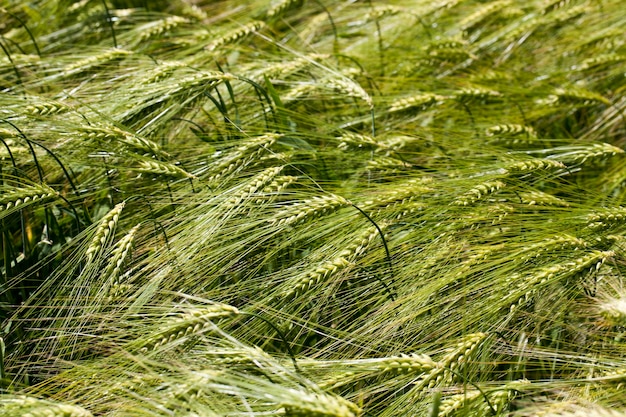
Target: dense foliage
[312, 208]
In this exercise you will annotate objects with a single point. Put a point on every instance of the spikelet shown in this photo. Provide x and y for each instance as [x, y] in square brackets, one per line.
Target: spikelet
[47, 108]
[279, 184]
[104, 232]
[531, 165]
[450, 55]
[113, 133]
[350, 88]
[557, 244]
[387, 367]
[194, 321]
[478, 192]
[539, 198]
[235, 35]
[164, 169]
[378, 12]
[281, 7]
[511, 130]
[299, 91]
[606, 218]
[152, 29]
[243, 155]
[15, 198]
[301, 212]
[450, 405]
[575, 97]
[305, 404]
[563, 15]
[356, 140]
[476, 95]
[594, 151]
[482, 14]
[11, 405]
[600, 61]
[417, 102]
[119, 255]
[551, 5]
[95, 60]
[163, 71]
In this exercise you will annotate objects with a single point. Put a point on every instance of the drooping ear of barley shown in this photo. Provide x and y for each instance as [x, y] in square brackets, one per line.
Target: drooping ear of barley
[235, 35]
[164, 169]
[305, 404]
[15, 198]
[95, 61]
[194, 321]
[301, 212]
[479, 192]
[242, 156]
[12, 405]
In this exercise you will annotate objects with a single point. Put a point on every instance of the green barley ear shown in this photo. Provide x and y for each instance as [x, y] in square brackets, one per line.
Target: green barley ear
[104, 233]
[14, 198]
[194, 321]
[15, 405]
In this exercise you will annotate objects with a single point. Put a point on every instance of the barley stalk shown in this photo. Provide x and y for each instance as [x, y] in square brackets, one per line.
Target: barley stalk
[378, 12]
[104, 232]
[163, 71]
[539, 198]
[134, 141]
[279, 184]
[575, 97]
[556, 243]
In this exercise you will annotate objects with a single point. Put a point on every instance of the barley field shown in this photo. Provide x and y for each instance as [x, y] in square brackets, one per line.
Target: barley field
[313, 208]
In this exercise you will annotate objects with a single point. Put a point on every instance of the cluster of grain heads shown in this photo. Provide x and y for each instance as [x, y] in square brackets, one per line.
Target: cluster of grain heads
[104, 233]
[15, 198]
[193, 322]
[14, 405]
